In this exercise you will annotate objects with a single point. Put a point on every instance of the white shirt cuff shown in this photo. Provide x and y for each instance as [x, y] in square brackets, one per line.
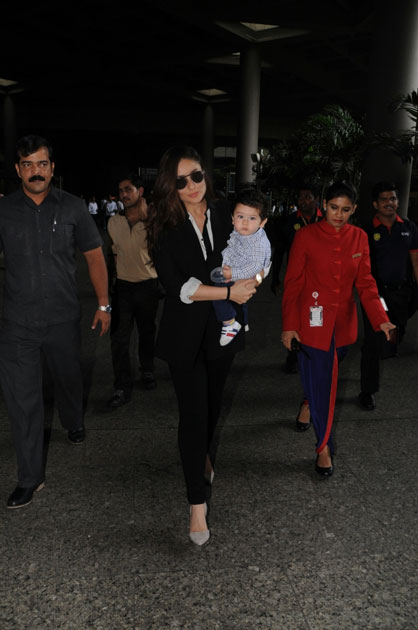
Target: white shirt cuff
[188, 289]
[266, 271]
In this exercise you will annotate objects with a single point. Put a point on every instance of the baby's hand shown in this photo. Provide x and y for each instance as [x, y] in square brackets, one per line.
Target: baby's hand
[227, 272]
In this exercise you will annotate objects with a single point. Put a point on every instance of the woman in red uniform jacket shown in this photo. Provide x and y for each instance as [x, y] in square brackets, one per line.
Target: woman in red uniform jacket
[327, 260]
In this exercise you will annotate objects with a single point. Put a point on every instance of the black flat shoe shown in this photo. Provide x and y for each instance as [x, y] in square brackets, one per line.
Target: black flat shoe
[22, 496]
[77, 436]
[367, 401]
[326, 471]
[118, 399]
[302, 426]
[148, 380]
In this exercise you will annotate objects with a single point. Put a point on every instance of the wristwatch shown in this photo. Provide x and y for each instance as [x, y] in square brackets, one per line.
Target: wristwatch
[259, 278]
[105, 309]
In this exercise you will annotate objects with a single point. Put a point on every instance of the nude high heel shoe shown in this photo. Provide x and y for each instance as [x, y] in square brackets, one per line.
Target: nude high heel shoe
[202, 537]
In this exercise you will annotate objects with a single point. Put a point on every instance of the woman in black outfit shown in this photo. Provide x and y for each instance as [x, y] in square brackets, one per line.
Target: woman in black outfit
[186, 234]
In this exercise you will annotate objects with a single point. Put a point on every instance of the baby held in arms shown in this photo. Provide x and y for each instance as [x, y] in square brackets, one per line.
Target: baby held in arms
[247, 255]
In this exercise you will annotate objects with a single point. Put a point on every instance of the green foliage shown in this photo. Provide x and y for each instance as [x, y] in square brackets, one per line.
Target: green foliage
[403, 144]
[327, 148]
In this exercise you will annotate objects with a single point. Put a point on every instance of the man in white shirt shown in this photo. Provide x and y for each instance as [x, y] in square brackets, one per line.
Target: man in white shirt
[111, 209]
[93, 208]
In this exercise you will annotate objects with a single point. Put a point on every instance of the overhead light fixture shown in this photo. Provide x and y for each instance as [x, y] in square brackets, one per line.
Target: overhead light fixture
[7, 82]
[212, 92]
[259, 33]
[211, 96]
[7, 86]
[234, 60]
[259, 27]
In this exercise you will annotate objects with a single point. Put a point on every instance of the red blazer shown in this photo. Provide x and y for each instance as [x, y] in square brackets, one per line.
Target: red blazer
[331, 264]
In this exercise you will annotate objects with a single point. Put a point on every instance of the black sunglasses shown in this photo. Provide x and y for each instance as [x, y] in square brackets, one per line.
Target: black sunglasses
[196, 177]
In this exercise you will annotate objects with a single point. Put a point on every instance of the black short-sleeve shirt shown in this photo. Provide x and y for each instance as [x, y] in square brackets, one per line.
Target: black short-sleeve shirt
[39, 245]
[389, 250]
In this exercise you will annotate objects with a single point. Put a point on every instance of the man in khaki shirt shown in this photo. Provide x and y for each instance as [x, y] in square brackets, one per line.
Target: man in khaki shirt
[136, 292]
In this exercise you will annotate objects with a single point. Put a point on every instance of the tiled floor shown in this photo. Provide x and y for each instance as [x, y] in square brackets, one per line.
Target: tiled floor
[105, 544]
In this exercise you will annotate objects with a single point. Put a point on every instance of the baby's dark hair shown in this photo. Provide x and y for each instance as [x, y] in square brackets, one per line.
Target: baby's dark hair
[254, 199]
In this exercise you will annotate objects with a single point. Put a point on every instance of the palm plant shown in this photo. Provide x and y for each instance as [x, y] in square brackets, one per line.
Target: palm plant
[336, 145]
[403, 144]
[328, 147]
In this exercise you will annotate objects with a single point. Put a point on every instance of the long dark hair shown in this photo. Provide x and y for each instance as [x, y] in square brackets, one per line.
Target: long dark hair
[167, 211]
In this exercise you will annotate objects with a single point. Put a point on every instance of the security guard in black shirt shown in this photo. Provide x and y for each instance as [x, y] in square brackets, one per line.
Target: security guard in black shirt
[40, 227]
[394, 260]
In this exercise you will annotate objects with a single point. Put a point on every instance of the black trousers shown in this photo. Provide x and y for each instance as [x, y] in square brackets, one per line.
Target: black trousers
[199, 391]
[375, 345]
[21, 351]
[133, 302]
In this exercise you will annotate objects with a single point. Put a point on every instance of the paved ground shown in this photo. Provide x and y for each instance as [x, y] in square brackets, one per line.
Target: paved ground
[105, 544]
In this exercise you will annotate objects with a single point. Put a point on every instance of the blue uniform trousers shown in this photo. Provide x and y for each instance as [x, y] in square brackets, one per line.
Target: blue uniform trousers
[319, 375]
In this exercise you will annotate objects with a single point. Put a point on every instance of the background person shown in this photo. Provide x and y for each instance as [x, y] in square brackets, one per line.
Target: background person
[393, 243]
[327, 260]
[284, 232]
[186, 235]
[136, 292]
[111, 209]
[93, 209]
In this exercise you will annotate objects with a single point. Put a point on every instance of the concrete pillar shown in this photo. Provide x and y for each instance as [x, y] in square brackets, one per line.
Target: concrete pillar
[249, 114]
[208, 135]
[9, 125]
[393, 71]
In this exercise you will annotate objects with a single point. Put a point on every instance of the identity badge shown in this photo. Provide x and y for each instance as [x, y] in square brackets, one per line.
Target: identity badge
[316, 312]
[315, 316]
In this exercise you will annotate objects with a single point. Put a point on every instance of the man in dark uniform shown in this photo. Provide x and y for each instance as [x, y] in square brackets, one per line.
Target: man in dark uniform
[394, 260]
[307, 212]
[40, 227]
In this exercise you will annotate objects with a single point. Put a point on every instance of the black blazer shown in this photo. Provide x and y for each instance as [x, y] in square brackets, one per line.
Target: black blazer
[185, 329]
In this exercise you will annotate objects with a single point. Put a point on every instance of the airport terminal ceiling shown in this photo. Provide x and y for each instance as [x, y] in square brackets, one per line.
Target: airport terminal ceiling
[156, 55]
[119, 68]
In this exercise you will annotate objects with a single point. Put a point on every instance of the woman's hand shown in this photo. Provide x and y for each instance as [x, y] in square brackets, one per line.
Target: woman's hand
[242, 290]
[386, 328]
[287, 336]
